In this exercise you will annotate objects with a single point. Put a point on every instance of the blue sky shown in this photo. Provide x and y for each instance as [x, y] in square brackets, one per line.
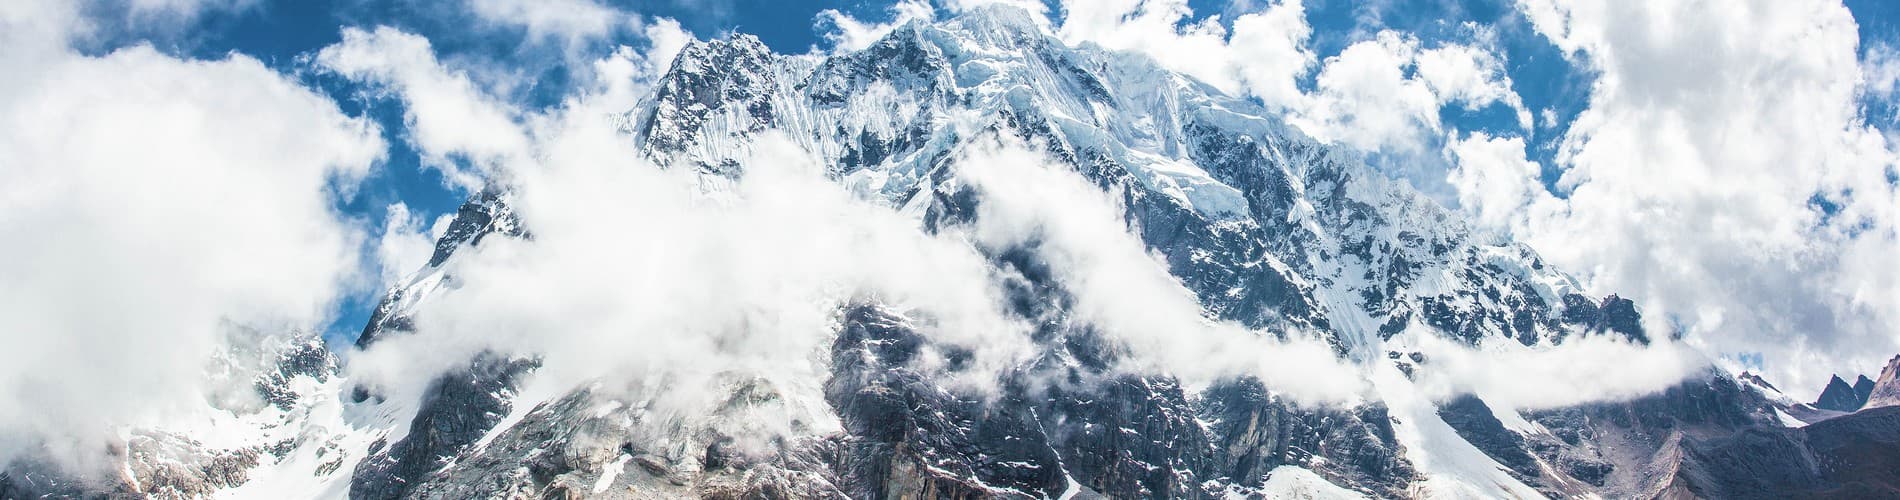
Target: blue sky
[285, 34]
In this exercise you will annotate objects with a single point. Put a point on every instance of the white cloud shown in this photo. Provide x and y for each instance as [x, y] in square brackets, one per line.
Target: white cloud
[148, 219]
[1155, 27]
[1379, 94]
[35, 34]
[665, 39]
[1125, 292]
[1494, 181]
[1270, 49]
[622, 77]
[158, 17]
[447, 116]
[570, 21]
[847, 33]
[1710, 128]
[1035, 7]
[1385, 94]
[405, 245]
[570, 37]
[1880, 73]
[1365, 98]
[1471, 76]
[1266, 53]
[188, 7]
[1584, 369]
[456, 123]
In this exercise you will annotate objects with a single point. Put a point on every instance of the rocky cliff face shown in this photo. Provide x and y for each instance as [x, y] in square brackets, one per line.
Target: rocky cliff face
[1839, 396]
[1885, 392]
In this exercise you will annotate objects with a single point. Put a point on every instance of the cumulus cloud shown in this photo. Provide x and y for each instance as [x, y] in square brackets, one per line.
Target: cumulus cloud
[1880, 70]
[1471, 76]
[570, 21]
[665, 38]
[1496, 185]
[1382, 94]
[405, 244]
[625, 75]
[1366, 98]
[1037, 7]
[1265, 54]
[164, 15]
[847, 33]
[462, 127]
[1723, 174]
[149, 219]
[1386, 93]
[1154, 27]
[448, 118]
[1271, 48]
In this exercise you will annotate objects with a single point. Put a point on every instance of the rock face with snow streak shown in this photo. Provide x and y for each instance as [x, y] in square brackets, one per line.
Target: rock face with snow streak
[1885, 391]
[1268, 228]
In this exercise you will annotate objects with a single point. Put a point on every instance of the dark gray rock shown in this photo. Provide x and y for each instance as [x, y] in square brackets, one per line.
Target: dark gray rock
[34, 476]
[1863, 389]
[455, 411]
[1851, 456]
[1255, 432]
[1839, 396]
[909, 437]
[486, 212]
[1473, 420]
[1117, 435]
[1858, 454]
[708, 79]
[1757, 380]
[569, 447]
[1612, 314]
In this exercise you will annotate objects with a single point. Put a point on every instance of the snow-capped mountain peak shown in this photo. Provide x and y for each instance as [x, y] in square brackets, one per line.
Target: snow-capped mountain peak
[1272, 239]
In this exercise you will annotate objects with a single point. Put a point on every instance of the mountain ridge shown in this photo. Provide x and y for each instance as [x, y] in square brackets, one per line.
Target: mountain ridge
[1267, 228]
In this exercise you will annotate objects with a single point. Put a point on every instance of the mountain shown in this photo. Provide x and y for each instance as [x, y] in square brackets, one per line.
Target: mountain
[1886, 391]
[1839, 396]
[1269, 229]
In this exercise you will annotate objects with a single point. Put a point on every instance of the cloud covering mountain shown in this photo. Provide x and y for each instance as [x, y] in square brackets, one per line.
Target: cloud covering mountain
[1112, 247]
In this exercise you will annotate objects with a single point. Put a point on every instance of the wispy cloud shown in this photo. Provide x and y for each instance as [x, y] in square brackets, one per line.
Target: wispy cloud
[150, 218]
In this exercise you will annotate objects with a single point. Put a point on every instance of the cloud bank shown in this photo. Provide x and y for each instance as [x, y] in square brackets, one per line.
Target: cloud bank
[148, 219]
[1724, 175]
[1723, 171]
